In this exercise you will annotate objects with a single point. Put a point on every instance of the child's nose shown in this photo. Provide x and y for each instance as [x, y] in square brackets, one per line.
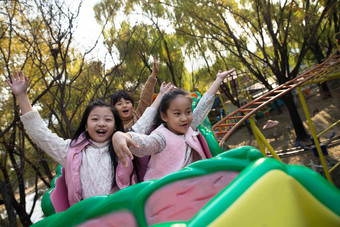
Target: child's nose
[101, 122]
[183, 117]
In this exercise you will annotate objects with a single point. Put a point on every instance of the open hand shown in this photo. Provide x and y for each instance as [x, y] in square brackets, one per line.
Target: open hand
[19, 83]
[121, 142]
[166, 87]
[223, 75]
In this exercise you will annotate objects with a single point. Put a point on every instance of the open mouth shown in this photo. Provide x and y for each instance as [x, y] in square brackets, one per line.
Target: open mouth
[125, 111]
[101, 131]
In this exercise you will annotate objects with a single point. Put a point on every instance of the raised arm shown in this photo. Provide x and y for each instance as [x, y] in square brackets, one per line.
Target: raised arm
[19, 87]
[219, 78]
[148, 90]
[145, 122]
[205, 104]
[36, 128]
[163, 89]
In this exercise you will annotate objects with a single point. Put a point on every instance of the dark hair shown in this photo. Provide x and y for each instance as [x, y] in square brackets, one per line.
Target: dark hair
[117, 96]
[82, 128]
[166, 101]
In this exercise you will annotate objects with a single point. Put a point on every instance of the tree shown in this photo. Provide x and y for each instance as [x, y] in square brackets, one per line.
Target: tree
[268, 26]
[145, 37]
[40, 44]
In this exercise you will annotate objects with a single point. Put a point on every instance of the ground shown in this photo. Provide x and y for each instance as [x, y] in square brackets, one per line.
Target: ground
[324, 112]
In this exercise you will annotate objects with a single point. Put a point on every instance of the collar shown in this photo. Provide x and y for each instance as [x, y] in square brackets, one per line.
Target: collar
[101, 145]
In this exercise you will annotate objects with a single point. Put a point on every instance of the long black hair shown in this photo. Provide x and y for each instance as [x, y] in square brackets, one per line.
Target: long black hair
[82, 129]
[166, 101]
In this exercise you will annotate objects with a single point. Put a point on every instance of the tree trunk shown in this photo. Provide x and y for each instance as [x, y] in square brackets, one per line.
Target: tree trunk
[5, 193]
[295, 118]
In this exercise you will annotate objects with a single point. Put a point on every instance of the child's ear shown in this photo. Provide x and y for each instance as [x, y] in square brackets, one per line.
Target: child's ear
[164, 117]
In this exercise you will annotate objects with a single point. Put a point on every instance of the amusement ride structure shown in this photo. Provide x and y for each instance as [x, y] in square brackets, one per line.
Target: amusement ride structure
[327, 70]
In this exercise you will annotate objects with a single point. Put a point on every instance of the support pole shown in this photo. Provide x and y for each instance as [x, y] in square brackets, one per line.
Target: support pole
[261, 139]
[316, 141]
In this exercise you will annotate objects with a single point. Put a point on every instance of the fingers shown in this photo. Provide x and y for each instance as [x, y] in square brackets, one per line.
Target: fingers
[131, 142]
[122, 158]
[127, 152]
[231, 70]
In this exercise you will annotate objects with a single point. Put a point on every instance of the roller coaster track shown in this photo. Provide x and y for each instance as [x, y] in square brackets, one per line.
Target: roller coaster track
[325, 71]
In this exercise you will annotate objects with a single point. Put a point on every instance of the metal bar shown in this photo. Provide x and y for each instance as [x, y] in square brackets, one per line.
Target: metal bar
[265, 142]
[324, 131]
[259, 142]
[334, 167]
[316, 141]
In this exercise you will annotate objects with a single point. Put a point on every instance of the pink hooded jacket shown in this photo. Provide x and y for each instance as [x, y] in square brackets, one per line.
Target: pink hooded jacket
[124, 176]
[172, 157]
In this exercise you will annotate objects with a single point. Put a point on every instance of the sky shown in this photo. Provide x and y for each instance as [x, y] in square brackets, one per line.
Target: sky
[88, 31]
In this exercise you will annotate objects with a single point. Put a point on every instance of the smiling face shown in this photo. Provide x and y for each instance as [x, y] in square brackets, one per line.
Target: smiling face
[100, 124]
[178, 116]
[124, 108]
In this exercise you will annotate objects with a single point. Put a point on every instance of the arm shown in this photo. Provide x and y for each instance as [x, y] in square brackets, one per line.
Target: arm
[36, 128]
[204, 106]
[140, 145]
[148, 90]
[145, 123]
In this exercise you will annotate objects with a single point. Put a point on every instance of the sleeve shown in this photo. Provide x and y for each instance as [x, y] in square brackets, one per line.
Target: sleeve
[148, 144]
[202, 110]
[145, 99]
[51, 143]
[145, 123]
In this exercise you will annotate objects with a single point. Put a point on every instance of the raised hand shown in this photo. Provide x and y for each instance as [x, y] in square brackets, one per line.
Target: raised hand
[219, 78]
[155, 66]
[19, 87]
[222, 75]
[166, 87]
[19, 83]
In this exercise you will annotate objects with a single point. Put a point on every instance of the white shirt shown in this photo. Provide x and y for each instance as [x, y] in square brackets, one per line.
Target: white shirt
[96, 169]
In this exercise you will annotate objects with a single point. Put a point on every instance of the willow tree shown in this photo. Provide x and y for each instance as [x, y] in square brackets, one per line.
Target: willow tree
[260, 33]
[139, 25]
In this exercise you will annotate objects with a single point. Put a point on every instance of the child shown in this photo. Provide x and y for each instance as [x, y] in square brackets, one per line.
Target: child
[144, 126]
[91, 166]
[124, 102]
[174, 144]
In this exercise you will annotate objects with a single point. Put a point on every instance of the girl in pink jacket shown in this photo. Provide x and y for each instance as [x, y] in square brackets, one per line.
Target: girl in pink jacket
[90, 163]
[174, 144]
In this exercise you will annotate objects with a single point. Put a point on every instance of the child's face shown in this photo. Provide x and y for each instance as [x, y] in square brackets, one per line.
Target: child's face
[100, 124]
[179, 115]
[124, 108]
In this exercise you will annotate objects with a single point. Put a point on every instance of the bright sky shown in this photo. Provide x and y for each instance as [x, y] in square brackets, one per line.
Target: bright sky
[88, 31]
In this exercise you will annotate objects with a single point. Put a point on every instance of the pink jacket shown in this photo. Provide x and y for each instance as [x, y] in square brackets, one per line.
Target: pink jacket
[124, 176]
[172, 157]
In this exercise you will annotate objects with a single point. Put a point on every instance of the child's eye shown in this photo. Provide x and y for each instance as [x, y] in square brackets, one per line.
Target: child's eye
[108, 119]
